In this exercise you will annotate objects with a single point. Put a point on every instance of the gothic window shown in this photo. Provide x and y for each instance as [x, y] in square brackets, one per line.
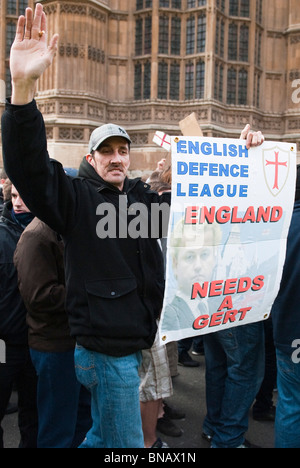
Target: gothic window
[259, 11]
[231, 86]
[147, 80]
[239, 8]
[243, 87]
[189, 81]
[143, 36]
[234, 7]
[175, 36]
[232, 41]
[170, 4]
[200, 79]
[139, 37]
[162, 80]
[12, 7]
[148, 35]
[16, 7]
[138, 81]
[201, 33]
[174, 81]
[196, 37]
[194, 80]
[238, 42]
[244, 43]
[195, 3]
[219, 80]
[163, 35]
[221, 5]
[142, 81]
[10, 36]
[176, 4]
[190, 35]
[168, 81]
[245, 8]
[237, 86]
[141, 4]
[258, 48]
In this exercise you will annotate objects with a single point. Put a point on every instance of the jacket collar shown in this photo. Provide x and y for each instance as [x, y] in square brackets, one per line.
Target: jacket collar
[7, 217]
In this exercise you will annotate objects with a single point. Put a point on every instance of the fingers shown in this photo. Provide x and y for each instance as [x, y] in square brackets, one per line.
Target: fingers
[53, 46]
[245, 132]
[39, 20]
[28, 23]
[252, 138]
[20, 29]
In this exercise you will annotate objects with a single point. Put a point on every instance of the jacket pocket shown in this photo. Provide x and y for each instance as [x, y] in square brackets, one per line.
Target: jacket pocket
[115, 308]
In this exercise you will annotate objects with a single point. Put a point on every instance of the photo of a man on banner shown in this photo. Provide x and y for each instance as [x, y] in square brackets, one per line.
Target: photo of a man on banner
[227, 234]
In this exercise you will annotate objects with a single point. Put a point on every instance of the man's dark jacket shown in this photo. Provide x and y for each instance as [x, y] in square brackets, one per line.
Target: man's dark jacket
[114, 285]
[13, 328]
[286, 310]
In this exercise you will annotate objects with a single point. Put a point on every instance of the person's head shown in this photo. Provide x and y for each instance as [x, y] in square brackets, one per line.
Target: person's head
[194, 253]
[109, 150]
[3, 176]
[19, 206]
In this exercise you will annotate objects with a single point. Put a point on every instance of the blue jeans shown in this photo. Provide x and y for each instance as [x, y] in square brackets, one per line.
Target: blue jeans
[287, 425]
[234, 373]
[114, 386]
[64, 406]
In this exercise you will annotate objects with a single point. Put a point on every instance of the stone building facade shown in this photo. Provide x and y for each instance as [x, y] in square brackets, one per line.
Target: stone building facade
[147, 64]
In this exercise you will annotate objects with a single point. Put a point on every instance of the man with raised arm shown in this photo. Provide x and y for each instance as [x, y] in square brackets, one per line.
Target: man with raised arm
[114, 280]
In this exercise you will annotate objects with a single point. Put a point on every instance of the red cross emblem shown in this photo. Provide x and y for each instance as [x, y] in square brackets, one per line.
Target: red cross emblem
[276, 168]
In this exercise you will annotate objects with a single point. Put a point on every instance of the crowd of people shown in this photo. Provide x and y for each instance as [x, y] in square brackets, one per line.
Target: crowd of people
[79, 314]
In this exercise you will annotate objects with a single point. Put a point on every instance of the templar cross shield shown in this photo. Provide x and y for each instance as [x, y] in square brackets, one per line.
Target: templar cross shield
[276, 162]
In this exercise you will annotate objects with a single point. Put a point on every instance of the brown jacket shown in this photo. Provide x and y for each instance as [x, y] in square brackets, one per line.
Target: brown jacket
[39, 262]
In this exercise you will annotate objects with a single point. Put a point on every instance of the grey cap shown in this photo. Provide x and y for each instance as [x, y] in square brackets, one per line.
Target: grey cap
[101, 134]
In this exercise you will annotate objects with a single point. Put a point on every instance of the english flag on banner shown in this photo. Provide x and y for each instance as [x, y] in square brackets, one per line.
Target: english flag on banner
[163, 140]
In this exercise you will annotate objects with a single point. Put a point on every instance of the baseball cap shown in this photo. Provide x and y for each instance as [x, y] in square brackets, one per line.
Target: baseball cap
[101, 134]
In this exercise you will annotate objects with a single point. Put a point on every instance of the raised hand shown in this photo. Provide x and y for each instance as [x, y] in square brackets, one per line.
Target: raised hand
[253, 138]
[30, 55]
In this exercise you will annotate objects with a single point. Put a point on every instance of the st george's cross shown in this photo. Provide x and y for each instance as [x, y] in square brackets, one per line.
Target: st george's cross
[276, 168]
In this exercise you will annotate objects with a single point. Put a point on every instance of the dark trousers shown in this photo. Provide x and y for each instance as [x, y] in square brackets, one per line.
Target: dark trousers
[264, 398]
[19, 370]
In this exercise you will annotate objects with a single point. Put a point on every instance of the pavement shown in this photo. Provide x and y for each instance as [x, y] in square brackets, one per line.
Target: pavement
[189, 397]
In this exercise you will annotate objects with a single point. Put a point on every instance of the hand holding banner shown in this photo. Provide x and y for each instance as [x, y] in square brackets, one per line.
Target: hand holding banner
[230, 216]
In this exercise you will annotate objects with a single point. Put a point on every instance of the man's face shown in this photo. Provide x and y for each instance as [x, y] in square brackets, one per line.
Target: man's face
[194, 263]
[111, 161]
[17, 202]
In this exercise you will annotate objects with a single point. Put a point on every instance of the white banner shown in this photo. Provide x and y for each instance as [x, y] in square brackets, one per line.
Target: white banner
[230, 216]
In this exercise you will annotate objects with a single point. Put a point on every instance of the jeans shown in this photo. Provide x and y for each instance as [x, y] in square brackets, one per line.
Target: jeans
[114, 386]
[19, 370]
[64, 406]
[287, 424]
[234, 373]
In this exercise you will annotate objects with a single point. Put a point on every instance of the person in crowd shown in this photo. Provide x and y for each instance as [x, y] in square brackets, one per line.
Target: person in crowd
[114, 277]
[64, 412]
[264, 408]
[286, 324]
[234, 373]
[18, 368]
[114, 284]
[3, 178]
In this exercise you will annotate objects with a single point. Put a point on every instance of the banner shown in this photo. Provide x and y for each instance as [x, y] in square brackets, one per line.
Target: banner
[230, 216]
